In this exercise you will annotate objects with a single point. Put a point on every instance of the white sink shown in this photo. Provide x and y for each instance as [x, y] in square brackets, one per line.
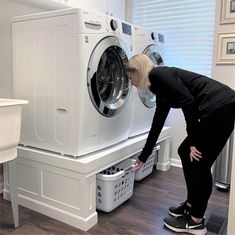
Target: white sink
[10, 123]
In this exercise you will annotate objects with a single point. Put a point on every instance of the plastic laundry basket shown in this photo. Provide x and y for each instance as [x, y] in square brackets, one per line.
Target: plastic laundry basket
[147, 168]
[114, 186]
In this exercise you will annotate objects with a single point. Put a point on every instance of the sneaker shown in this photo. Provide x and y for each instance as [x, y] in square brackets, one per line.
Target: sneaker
[184, 224]
[180, 210]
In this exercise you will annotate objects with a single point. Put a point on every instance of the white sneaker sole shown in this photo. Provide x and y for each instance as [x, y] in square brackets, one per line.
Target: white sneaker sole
[191, 231]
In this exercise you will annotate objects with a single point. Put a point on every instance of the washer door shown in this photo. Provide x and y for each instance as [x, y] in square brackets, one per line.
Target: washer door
[147, 97]
[108, 84]
[152, 52]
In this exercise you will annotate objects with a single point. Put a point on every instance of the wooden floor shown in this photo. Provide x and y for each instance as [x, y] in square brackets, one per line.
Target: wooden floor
[140, 215]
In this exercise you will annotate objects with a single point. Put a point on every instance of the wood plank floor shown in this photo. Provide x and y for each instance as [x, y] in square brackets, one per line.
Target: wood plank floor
[140, 215]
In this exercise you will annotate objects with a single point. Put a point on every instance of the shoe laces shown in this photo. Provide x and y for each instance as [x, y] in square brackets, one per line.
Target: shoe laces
[185, 207]
[184, 217]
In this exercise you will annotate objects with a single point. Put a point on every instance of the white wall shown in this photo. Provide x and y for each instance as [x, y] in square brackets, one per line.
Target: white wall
[220, 72]
[129, 11]
[8, 9]
[225, 74]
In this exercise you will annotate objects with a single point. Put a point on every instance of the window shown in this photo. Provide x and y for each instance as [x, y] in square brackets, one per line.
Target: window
[188, 27]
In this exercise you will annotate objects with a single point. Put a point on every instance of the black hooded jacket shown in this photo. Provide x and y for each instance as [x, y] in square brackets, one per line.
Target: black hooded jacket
[197, 95]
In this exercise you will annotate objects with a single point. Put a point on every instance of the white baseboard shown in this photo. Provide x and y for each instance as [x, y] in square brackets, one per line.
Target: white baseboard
[163, 166]
[176, 162]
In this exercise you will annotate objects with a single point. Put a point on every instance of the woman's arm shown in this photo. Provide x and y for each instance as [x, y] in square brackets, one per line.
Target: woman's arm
[159, 118]
[192, 122]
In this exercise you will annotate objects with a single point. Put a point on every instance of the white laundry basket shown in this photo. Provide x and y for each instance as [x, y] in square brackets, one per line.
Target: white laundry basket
[114, 186]
[147, 168]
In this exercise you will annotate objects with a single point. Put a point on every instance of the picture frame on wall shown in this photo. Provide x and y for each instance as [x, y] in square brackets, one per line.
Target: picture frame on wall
[226, 48]
[227, 12]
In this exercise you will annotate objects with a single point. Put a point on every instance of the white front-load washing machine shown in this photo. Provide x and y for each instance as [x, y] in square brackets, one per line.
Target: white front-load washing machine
[150, 43]
[69, 64]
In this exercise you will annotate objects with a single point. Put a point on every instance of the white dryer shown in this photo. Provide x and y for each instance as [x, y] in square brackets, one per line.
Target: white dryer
[69, 64]
[145, 41]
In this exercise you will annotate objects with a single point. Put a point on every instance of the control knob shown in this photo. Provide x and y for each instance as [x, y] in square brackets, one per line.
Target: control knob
[113, 24]
[153, 36]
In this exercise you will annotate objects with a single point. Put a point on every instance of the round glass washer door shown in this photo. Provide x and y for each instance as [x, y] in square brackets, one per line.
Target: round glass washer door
[152, 52]
[147, 97]
[107, 81]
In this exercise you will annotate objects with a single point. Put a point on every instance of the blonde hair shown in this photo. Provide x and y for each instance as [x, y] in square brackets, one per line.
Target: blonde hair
[143, 65]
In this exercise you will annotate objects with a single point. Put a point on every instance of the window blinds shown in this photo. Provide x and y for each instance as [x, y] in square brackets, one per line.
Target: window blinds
[188, 27]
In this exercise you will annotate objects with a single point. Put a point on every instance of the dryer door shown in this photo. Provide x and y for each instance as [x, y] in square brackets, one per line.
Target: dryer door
[147, 97]
[107, 80]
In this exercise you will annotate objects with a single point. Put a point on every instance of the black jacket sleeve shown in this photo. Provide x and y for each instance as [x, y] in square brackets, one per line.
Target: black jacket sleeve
[159, 118]
[192, 123]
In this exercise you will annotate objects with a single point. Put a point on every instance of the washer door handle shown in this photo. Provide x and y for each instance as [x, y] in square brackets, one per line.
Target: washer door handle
[62, 110]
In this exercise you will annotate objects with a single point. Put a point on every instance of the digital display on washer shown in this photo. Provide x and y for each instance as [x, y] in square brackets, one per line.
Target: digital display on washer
[126, 28]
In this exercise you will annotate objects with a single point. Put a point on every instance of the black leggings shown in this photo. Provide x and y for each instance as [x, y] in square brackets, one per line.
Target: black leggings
[215, 131]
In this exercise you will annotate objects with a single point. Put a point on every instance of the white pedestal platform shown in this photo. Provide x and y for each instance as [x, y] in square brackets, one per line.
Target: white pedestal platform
[64, 188]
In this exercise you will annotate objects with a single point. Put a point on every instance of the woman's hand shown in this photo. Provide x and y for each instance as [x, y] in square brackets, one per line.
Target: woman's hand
[137, 165]
[195, 154]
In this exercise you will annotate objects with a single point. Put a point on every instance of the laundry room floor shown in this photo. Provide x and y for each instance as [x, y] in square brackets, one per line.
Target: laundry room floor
[140, 215]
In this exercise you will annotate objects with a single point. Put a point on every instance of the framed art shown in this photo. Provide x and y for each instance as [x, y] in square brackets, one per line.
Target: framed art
[226, 48]
[227, 12]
